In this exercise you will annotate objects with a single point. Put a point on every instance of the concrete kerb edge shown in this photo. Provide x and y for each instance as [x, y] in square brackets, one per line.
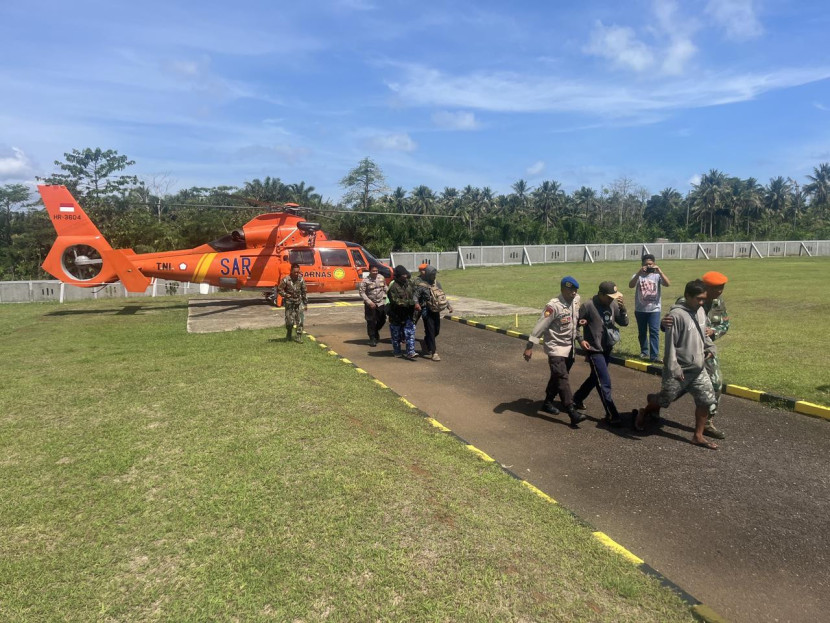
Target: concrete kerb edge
[698, 609]
[790, 404]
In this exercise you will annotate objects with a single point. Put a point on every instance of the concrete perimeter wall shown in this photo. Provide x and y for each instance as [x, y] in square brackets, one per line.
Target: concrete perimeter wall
[54, 290]
[465, 257]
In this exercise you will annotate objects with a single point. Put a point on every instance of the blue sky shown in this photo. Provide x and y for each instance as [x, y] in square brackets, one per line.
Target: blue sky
[437, 93]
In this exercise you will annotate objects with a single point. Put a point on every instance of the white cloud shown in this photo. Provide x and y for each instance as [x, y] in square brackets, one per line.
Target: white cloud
[355, 5]
[280, 153]
[620, 45]
[393, 142]
[15, 166]
[460, 120]
[677, 56]
[694, 180]
[536, 168]
[821, 106]
[736, 17]
[679, 30]
[512, 92]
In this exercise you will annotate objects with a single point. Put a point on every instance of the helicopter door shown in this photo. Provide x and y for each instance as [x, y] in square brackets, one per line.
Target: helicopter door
[309, 267]
[360, 264]
[338, 263]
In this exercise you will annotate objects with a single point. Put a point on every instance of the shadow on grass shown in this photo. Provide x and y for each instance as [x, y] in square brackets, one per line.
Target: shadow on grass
[126, 310]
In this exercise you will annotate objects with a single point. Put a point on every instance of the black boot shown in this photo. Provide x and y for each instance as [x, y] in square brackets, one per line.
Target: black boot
[288, 331]
[576, 416]
[548, 407]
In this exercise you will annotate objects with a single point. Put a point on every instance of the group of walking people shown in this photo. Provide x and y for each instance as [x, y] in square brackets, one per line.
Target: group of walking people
[405, 302]
[690, 361]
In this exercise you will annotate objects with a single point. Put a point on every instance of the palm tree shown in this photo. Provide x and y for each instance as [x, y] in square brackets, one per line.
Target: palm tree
[749, 201]
[798, 197]
[302, 194]
[521, 189]
[268, 190]
[777, 196]
[422, 200]
[707, 198]
[547, 199]
[819, 187]
[586, 201]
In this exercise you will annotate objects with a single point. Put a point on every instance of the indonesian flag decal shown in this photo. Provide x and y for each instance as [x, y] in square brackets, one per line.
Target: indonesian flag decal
[66, 207]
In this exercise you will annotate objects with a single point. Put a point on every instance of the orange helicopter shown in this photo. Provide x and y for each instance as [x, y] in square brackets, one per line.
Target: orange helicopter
[254, 257]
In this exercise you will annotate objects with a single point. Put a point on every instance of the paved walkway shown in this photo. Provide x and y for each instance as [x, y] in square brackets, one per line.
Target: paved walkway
[745, 529]
[251, 312]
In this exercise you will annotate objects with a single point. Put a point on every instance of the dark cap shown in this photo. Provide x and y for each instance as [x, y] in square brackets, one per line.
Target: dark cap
[400, 270]
[609, 288]
[569, 281]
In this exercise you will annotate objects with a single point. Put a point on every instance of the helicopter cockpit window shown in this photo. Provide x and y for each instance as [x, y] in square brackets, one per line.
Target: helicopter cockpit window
[359, 262]
[304, 257]
[334, 257]
[385, 271]
[229, 242]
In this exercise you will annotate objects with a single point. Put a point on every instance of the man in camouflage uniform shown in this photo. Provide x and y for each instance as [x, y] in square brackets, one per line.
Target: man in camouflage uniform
[556, 330]
[293, 292]
[717, 324]
[403, 308]
[372, 290]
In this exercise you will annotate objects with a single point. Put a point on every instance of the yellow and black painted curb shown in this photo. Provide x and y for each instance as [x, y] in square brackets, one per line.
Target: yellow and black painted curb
[699, 610]
[781, 402]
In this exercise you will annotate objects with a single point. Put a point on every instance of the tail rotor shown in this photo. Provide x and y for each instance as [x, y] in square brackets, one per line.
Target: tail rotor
[82, 262]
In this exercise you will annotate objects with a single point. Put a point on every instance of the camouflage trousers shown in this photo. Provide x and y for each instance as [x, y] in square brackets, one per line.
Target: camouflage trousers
[698, 385]
[713, 370]
[294, 316]
[403, 333]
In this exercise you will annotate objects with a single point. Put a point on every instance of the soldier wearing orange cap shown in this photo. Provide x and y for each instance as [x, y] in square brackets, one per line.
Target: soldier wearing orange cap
[717, 324]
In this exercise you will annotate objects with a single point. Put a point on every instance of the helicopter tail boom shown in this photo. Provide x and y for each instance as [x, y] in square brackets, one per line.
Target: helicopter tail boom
[81, 256]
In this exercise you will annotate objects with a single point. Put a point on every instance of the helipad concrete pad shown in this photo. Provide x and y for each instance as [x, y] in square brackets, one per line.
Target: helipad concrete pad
[232, 313]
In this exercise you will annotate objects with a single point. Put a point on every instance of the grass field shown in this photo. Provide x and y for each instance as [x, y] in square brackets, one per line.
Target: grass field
[151, 475]
[778, 339]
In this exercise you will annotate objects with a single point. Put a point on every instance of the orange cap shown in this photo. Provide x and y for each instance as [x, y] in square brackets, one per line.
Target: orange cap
[713, 278]
[423, 266]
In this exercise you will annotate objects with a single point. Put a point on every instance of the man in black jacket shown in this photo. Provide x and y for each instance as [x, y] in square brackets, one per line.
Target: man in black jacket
[597, 318]
[403, 306]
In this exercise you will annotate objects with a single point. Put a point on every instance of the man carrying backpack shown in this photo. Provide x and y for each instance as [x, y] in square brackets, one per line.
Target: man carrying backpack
[433, 301]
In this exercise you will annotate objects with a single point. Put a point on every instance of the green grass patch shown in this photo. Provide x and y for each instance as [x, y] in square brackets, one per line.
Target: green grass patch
[151, 475]
[777, 340]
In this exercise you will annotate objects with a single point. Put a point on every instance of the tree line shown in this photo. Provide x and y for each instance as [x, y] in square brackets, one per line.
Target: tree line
[144, 215]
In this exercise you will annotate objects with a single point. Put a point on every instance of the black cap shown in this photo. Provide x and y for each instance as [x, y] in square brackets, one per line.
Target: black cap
[609, 288]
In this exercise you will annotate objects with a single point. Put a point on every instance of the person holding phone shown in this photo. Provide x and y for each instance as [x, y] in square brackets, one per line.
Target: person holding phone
[648, 282]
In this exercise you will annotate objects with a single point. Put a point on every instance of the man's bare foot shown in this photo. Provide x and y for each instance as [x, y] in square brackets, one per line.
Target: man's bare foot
[700, 441]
